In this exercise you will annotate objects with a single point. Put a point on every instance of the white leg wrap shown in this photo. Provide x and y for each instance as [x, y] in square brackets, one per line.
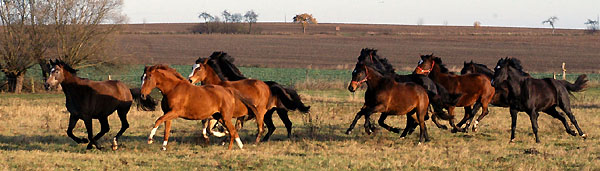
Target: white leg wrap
[239, 142]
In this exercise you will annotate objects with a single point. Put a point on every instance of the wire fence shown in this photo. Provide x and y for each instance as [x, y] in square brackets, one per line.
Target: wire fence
[131, 75]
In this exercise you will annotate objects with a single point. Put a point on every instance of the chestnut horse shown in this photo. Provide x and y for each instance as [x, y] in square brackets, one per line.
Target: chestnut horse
[386, 96]
[254, 89]
[87, 100]
[287, 99]
[532, 95]
[194, 102]
[476, 89]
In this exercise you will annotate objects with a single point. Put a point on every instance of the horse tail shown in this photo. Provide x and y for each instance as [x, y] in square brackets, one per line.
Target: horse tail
[149, 104]
[579, 85]
[246, 101]
[288, 97]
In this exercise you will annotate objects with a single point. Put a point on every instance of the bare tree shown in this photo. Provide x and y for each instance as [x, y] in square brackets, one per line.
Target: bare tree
[23, 38]
[304, 19]
[207, 17]
[236, 18]
[551, 21]
[592, 26]
[84, 30]
[250, 17]
[226, 16]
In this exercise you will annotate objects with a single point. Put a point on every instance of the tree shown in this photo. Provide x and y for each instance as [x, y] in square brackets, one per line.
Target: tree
[551, 21]
[23, 38]
[236, 18]
[226, 16]
[304, 19]
[250, 17]
[83, 30]
[592, 26]
[207, 17]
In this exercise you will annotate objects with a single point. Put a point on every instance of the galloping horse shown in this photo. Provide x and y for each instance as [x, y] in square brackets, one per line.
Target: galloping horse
[287, 99]
[532, 95]
[501, 91]
[438, 95]
[194, 102]
[389, 97]
[254, 89]
[476, 89]
[87, 100]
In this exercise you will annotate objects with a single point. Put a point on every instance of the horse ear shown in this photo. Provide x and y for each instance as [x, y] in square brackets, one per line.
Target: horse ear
[205, 61]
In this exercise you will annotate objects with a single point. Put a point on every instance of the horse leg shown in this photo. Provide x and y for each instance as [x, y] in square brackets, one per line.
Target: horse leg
[386, 126]
[122, 112]
[87, 120]
[270, 126]
[554, 113]
[451, 120]
[567, 108]
[260, 126]
[420, 118]
[283, 115]
[104, 128]
[206, 128]
[468, 113]
[411, 124]
[533, 116]
[168, 116]
[72, 122]
[362, 112]
[434, 119]
[233, 135]
[484, 113]
[513, 123]
[167, 133]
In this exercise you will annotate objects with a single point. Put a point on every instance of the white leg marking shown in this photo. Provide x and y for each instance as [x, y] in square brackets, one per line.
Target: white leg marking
[239, 142]
[164, 147]
[153, 132]
[204, 133]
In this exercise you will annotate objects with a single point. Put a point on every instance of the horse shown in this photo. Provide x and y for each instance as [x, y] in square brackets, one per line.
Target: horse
[532, 95]
[287, 99]
[254, 89]
[476, 89]
[438, 95]
[87, 100]
[386, 96]
[194, 102]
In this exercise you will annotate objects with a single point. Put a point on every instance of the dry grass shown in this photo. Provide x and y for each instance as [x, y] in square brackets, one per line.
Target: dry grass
[32, 137]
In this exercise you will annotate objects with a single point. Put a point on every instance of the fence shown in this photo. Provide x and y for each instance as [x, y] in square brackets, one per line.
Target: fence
[131, 75]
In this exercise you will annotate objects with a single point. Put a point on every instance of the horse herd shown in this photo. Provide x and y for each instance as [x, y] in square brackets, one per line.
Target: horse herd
[226, 94]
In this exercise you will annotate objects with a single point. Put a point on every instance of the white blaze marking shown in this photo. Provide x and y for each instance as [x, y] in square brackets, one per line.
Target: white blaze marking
[143, 78]
[420, 62]
[239, 142]
[498, 67]
[193, 69]
[52, 70]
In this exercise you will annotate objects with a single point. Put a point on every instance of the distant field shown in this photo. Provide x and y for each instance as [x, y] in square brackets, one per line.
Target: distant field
[283, 45]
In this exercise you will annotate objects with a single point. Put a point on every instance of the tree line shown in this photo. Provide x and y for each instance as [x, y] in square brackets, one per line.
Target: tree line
[227, 23]
[75, 31]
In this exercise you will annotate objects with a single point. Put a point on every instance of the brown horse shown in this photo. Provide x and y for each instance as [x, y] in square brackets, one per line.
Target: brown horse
[389, 97]
[194, 102]
[254, 89]
[476, 89]
[87, 100]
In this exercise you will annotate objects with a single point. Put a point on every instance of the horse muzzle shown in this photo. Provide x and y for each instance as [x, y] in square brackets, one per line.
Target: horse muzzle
[143, 96]
[352, 87]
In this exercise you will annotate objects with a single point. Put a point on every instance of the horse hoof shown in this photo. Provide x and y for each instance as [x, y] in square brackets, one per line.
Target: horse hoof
[163, 148]
[114, 147]
[511, 141]
[584, 136]
[419, 143]
[150, 141]
[83, 141]
[348, 132]
[443, 127]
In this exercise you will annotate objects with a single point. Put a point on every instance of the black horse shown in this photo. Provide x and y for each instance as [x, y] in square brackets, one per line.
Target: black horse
[288, 98]
[438, 95]
[87, 100]
[530, 95]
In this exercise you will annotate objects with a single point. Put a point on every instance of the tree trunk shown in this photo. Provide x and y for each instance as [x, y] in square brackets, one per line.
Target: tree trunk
[250, 29]
[303, 29]
[15, 82]
[45, 66]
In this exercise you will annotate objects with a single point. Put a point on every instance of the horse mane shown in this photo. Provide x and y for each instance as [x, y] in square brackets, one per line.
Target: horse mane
[438, 62]
[481, 68]
[63, 65]
[225, 67]
[213, 65]
[166, 68]
[515, 63]
[369, 56]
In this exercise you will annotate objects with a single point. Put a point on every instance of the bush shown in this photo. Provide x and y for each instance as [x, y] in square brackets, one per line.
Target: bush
[224, 28]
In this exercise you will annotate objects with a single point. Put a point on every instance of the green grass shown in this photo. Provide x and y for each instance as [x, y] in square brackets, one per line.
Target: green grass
[32, 137]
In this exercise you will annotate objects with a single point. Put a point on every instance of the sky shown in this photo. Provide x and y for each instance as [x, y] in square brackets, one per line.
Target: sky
[507, 13]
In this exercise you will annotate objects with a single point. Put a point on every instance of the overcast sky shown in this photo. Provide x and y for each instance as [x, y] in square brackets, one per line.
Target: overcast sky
[511, 13]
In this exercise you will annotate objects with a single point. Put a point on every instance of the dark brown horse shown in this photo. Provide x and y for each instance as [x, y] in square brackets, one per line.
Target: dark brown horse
[254, 89]
[87, 100]
[532, 95]
[386, 96]
[476, 89]
[194, 102]
[287, 99]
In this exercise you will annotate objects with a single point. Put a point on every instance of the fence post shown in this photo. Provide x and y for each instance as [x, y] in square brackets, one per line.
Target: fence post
[32, 85]
[554, 75]
[564, 71]
[109, 77]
